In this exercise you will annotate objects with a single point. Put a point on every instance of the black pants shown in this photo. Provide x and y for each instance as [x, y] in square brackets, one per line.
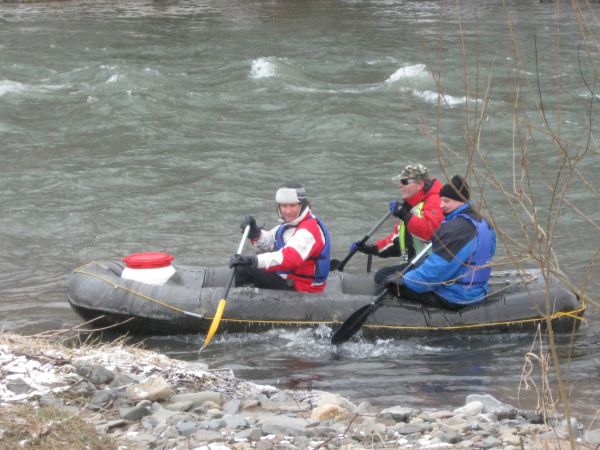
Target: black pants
[260, 278]
[425, 298]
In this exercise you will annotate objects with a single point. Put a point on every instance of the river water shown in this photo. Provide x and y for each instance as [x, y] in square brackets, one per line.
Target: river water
[156, 125]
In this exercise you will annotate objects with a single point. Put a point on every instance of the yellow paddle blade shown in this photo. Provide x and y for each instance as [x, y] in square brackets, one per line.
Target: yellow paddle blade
[215, 323]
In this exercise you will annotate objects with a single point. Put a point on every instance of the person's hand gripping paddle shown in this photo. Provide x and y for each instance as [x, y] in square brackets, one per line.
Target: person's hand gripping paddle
[221, 306]
[339, 266]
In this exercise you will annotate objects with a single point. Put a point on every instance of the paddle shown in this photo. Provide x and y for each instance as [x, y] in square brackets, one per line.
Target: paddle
[221, 306]
[339, 266]
[356, 320]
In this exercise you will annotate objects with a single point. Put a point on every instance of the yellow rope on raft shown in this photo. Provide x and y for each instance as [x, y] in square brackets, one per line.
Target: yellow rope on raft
[131, 291]
[573, 314]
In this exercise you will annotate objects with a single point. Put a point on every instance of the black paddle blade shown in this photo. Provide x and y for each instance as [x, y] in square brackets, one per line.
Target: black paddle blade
[352, 324]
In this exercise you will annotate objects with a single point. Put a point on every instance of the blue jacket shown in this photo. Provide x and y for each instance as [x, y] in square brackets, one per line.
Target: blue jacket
[454, 244]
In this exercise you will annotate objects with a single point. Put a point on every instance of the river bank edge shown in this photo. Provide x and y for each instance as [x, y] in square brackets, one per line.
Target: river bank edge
[124, 397]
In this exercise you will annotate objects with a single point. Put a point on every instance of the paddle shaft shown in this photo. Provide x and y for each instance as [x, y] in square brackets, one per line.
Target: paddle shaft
[239, 250]
[363, 240]
[214, 325]
[356, 320]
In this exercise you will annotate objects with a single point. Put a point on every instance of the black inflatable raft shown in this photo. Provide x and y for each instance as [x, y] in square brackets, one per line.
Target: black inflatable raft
[518, 300]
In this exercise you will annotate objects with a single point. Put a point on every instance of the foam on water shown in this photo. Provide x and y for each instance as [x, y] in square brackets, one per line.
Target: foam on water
[7, 86]
[264, 67]
[404, 73]
[431, 97]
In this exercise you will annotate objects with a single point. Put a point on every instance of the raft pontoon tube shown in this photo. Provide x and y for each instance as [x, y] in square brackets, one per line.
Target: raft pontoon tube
[518, 300]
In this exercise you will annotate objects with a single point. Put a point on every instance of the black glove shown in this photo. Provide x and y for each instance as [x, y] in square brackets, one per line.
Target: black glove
[254, 229]
[367, 249]
[243, 260]
[403, 212]
[393, 281]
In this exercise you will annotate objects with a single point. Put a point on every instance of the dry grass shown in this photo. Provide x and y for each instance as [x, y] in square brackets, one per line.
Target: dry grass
[31, 427]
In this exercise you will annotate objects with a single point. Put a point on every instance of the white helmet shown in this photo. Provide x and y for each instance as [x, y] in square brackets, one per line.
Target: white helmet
[291, 193]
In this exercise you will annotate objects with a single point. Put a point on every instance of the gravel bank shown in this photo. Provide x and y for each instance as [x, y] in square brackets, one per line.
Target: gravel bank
[145, 400]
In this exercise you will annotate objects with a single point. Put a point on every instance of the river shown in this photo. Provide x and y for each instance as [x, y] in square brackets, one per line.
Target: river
[157, 125]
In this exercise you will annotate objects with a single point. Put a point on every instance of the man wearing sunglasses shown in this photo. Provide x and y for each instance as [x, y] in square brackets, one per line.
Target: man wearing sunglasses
[420, 216]
[456, 272]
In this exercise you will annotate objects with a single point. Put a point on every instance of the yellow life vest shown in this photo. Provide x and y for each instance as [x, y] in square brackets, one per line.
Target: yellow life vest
[418, 243]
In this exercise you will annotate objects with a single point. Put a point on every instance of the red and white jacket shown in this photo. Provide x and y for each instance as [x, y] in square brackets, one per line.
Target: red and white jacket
[421, 225]
[304, 241]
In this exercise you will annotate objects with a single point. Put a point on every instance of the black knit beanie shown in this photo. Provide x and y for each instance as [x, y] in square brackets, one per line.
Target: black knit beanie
[457, 189]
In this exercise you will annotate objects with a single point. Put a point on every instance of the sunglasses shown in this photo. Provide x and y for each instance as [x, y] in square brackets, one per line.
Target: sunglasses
[405, 181]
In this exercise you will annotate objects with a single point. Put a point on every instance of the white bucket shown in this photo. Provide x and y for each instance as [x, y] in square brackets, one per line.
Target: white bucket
[150, 268]
[149, 276]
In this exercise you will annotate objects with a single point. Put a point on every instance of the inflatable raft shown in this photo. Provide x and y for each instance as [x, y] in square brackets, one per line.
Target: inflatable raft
[97, 291]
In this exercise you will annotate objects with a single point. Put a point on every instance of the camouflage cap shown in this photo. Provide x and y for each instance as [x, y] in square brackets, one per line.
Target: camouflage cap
[414, 172]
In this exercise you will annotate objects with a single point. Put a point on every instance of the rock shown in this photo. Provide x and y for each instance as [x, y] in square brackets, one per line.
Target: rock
[365, 408]
[592, 436]
[198, 398]
[102, 399]
[397, 413]
[493, 406]
[251, 434]
[106, 427]
[235, 422]
[135, 413]
[410, 428]
[490, 442]
[232, 406]
[532, 416]
[330, 412]
[153, 388]
[179, 406]
[215, 413]
[371, 427]
[51, 400]
[187, 427]
[287, 426]
[206, 437]
[18, 386]
[122, 379]
[94, 373]
[470, 409]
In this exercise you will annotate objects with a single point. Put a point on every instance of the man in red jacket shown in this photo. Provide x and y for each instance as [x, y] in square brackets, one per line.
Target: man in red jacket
[420, 216]
[292, 256]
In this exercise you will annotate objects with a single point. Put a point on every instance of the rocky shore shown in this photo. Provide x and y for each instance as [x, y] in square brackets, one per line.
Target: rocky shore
[136, 399]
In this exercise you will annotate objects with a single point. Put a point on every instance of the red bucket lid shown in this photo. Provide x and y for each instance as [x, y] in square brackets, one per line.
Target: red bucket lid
[148, 260]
